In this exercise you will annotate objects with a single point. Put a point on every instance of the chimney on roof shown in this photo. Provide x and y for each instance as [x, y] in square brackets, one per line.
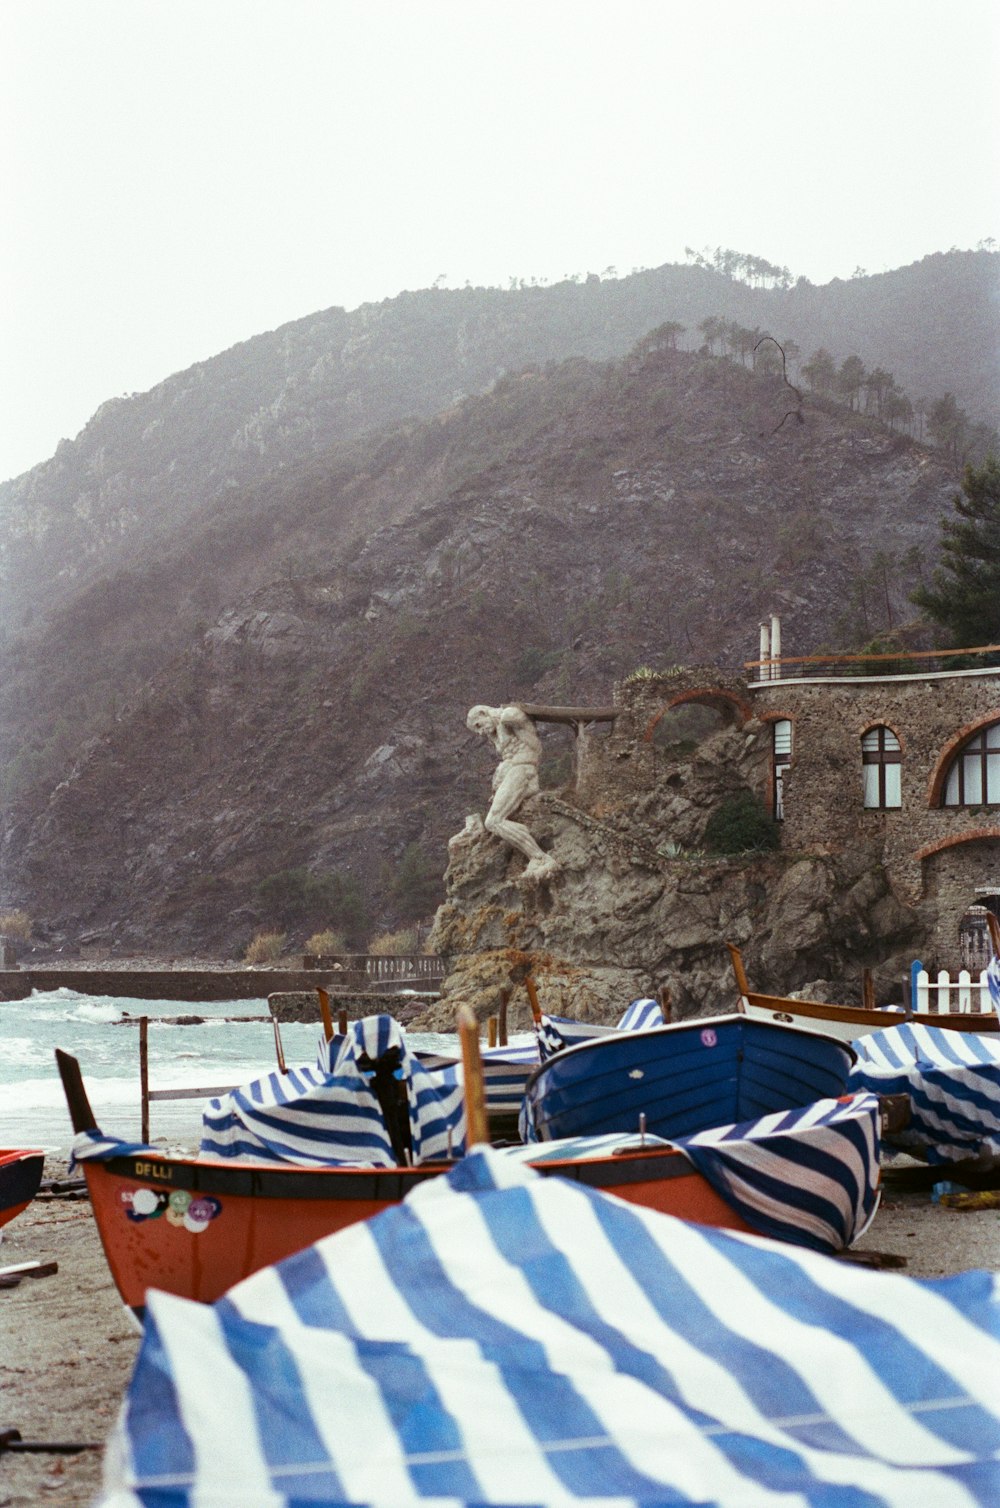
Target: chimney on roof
[775, 647]
[770, 649]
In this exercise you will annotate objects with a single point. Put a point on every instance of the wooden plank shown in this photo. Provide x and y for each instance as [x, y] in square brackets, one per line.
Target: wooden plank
[546, 714]
[913, 654]
[28, 1269]
[189, 1094]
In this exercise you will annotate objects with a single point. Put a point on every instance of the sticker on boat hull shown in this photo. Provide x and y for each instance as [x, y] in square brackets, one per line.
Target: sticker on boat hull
[192, 1212]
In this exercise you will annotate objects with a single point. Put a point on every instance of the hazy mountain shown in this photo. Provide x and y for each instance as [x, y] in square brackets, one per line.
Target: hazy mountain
[536, 541]
[149, 468]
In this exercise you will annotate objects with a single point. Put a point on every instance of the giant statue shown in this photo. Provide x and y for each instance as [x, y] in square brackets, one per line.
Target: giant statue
[512, 733]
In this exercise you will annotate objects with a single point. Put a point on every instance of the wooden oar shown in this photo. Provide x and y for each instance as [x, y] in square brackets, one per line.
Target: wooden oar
[324, 1010]
[536, 1010]
[279, 1051]
[477, 1126]
[742, 983]
[502, 1018]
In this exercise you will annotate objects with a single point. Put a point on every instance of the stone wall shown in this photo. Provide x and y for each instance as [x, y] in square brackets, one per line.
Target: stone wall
[302, 1005]
[934, 857]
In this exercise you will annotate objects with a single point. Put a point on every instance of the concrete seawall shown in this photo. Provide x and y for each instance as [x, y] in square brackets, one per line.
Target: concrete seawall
[166, 984]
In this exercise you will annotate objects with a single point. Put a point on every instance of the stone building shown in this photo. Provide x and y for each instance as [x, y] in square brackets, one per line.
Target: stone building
[907, 763]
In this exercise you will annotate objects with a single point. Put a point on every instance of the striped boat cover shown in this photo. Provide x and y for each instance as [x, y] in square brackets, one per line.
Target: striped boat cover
[809, 1176]
[506, 1069]
[556, 1032]
[993, 981]
[311, 1117]
[505, 1073]
[503, 1338]
[94, 1146]
[953, 1080]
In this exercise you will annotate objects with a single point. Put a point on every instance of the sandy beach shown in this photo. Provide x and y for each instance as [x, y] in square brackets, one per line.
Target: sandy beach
[67, 1344]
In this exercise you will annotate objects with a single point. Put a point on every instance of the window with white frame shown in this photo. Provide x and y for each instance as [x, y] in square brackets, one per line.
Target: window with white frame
[881, 769]
[973, 778]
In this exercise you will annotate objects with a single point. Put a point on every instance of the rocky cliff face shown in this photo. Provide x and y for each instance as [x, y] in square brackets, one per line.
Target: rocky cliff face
[638, 904]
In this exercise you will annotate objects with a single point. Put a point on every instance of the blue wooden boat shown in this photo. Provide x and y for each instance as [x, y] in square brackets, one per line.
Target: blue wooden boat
[683, 1078]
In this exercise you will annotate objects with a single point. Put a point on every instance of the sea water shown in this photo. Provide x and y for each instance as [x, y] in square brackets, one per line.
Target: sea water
[103, 1034]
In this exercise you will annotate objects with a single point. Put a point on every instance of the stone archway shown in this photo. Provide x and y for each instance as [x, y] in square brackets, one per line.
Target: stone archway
[733, 709]
[959, 875]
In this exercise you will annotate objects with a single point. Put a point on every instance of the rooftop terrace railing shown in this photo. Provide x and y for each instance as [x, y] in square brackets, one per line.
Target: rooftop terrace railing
[892, 663]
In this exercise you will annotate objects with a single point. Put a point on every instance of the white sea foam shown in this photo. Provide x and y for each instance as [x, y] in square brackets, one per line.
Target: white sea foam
[100, 1011]
[20, 1051]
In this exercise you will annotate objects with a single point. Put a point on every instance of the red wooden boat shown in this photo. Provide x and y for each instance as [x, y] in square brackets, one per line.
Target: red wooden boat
[194, 1227]
[20, 1175]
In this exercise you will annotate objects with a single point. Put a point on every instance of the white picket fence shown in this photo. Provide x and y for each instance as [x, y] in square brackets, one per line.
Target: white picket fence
[962, 993]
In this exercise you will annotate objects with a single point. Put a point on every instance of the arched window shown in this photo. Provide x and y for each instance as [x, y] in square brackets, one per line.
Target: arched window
[973, 777]
[881, 769]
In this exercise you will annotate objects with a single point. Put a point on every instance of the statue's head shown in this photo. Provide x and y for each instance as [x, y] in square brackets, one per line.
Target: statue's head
[481, 719]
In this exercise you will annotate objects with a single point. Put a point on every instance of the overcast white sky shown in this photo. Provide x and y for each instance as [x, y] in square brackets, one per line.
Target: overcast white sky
[179, 175]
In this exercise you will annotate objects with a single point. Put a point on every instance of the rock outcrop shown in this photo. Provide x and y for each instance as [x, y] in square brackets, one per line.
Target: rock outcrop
[638, 903]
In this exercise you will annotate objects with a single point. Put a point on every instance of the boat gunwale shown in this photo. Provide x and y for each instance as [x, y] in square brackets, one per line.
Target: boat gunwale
[349, 1181]
[818, 1010]
[675, 1029]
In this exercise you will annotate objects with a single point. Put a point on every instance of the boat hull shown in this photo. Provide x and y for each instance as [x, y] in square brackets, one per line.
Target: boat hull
[194, 1227]
[684, 1078]
[848, 1022]
[20, 1176]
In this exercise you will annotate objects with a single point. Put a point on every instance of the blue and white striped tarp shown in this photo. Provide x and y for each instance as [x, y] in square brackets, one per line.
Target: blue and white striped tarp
[810, 1176]
[507, 1069]
[556, 1032]
[315, 1118]
[506, 1338]
[94, 1146]
[953, 1080]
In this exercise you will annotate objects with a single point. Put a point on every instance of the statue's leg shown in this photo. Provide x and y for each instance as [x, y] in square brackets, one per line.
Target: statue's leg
[516, 787]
